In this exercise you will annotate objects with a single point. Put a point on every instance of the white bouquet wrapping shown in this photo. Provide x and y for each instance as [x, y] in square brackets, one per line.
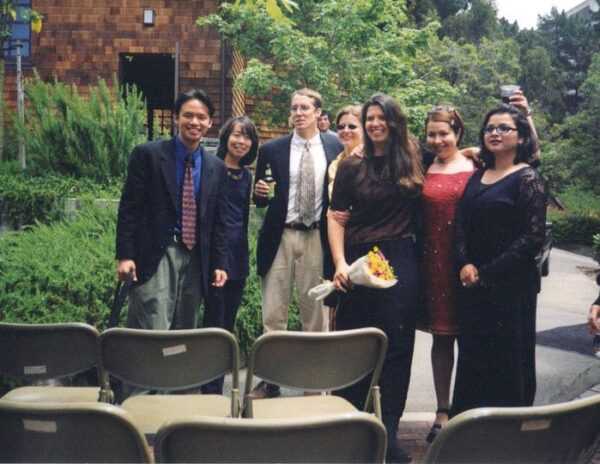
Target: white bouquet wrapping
[371, 270]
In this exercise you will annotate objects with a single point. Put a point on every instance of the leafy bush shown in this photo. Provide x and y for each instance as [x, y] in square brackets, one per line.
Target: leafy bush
[83, 137]
[60, 272]
[576, 198]
[26, 198]
[574, 227]
[64, 272]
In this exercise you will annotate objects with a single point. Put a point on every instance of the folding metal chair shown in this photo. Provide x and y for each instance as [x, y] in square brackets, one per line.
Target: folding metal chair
[171, 361]
[353, 437]
[40, 352]
[69, 432]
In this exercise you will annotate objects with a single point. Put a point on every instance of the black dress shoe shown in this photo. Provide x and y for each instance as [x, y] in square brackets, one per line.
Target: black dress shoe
[398, 455]
[265, 390]
[436, 428]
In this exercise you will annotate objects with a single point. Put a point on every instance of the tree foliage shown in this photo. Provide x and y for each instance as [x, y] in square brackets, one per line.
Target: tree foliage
[581, 134]
[345, 49]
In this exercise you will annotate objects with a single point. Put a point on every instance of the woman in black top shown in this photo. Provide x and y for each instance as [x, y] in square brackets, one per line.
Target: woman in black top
[500, 227]
[238, 146]
[381, 192]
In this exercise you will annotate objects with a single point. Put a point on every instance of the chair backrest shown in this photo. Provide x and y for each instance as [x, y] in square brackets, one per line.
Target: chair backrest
[34, 352]
[72, 432]
[168, 359]
[565, 432]
[317, 361]
[351, 437]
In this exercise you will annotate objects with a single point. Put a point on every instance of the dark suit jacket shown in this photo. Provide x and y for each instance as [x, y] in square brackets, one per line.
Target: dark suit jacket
[276, 153]
[148, 212]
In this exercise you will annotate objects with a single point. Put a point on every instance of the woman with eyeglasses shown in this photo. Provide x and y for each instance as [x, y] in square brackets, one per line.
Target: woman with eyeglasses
[445, 182]
[350, 133]
[500, 227]
[382, 192]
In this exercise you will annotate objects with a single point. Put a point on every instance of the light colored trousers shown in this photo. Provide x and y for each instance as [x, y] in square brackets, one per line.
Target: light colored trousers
[171, 298]
[299, 262]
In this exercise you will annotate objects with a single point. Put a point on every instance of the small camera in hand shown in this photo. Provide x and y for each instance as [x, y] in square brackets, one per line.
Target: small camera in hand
[506, 92]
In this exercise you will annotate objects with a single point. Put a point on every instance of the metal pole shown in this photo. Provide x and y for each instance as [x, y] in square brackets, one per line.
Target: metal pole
[176, 89]
[20, 104]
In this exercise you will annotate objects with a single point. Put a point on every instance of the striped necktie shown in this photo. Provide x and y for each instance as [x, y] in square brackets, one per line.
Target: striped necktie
[188, 206]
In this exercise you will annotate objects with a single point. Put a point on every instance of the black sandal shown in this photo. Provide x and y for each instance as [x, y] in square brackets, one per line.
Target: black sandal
[435, 428]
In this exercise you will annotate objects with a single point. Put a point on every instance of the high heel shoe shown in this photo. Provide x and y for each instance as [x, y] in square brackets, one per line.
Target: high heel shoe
[436, 428]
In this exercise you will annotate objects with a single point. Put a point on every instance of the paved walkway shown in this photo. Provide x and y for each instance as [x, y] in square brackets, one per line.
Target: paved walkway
[414, 427]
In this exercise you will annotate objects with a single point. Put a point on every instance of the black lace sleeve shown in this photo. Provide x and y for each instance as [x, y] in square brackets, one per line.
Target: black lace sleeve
[459, 243]
[533, 200]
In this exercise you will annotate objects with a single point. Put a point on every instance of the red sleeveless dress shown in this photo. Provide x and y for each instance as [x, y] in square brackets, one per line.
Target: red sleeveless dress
[441, 194]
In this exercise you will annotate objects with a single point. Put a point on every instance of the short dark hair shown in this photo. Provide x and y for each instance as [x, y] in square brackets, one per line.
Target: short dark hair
[525, 151]
[248, 128]
[325, 113]
[194, 94]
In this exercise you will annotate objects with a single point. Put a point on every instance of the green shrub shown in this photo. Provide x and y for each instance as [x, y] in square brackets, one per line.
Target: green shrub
[59, 272]
[574, 227]
[576, 198]
[26, 197]
[88, 137]
[65, 272]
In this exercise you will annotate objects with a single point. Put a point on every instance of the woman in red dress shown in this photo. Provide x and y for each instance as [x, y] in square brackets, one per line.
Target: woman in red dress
[445, 181]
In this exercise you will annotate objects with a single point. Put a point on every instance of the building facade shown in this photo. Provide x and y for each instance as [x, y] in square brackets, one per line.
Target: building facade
[154, 44]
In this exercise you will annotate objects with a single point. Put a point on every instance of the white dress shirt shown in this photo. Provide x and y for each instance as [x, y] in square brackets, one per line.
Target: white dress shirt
[320, 162]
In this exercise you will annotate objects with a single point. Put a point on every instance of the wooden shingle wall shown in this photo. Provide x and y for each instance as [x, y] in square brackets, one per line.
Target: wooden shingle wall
[81, 41]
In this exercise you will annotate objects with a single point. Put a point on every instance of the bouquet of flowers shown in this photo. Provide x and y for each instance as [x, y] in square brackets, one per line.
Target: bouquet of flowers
[372, 270]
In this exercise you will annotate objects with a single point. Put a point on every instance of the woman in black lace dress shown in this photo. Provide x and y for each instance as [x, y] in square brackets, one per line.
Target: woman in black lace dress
[500, 227]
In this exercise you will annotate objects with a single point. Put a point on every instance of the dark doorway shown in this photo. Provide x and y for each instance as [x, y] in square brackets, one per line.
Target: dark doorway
[154, 75]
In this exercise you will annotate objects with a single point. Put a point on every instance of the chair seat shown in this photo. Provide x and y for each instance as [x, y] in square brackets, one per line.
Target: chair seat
[301, 406]
[149, 412]
[53, 394]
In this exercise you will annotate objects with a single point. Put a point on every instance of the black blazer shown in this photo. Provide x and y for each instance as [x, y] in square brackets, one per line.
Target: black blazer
[276, 153]
[148, 210]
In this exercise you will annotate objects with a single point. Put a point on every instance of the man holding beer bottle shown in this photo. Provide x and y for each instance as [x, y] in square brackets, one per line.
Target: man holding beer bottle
[292, 243]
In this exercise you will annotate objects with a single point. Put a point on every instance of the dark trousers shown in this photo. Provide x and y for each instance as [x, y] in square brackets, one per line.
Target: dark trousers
[220, 310]
[392, 310]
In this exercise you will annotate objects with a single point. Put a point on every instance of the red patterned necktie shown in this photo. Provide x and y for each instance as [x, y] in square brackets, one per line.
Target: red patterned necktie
[188, 206]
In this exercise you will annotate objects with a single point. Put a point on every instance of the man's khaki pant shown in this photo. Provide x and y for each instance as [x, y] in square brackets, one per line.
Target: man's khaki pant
[299, 262]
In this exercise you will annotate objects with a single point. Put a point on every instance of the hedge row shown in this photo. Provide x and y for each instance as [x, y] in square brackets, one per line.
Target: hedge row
[27, 197]
[65, 271]
[574, 227]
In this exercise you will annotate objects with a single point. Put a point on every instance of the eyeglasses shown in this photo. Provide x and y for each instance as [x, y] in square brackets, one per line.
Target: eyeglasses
[442, 109]
[502, 129]
[341, 127]
[300, 108]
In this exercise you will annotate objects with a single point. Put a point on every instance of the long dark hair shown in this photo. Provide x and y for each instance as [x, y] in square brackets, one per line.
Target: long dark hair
[525, 151]
[403, 164]
[248, 129]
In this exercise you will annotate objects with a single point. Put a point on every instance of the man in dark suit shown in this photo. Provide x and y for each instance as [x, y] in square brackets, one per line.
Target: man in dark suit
[171, 225]
[292, 243]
